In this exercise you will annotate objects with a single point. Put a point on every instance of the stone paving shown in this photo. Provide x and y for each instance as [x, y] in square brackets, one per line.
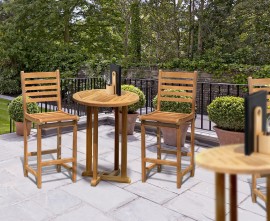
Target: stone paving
[157, 199]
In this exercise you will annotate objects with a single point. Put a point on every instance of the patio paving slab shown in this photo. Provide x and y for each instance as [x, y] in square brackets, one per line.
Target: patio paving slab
[85, 212]
[142, 209]
[156, 199]
[104, 196]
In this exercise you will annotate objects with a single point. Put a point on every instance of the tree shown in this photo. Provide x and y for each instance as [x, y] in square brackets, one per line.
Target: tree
[135, 31]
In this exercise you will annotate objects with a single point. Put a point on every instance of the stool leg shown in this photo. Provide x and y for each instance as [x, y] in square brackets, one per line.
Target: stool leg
[192, 143]
[178, 168]
[158, 148]
[74, 154]
[39, 168]
[143, 151]
[59, 147]
[25, 164]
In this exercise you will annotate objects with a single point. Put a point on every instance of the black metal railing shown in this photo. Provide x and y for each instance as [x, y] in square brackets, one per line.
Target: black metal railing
[206, 92]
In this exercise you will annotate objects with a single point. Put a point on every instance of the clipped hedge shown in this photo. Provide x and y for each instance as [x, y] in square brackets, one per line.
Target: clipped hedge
[227, 113]
[15, 109]
[134, 107]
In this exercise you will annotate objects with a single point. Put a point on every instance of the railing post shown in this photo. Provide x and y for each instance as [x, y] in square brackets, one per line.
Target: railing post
[147, 97]
[202, 105]
[210, 100]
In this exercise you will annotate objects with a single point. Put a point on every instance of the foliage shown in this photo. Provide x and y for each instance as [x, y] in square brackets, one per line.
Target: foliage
[227, 113]
[9, 81]
[173, 106]
[15, 109]
[233, 73]
[134, 107]
[135, 35]
[229, 39]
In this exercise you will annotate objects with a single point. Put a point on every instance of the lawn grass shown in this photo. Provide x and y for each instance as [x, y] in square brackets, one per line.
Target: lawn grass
[4, 116]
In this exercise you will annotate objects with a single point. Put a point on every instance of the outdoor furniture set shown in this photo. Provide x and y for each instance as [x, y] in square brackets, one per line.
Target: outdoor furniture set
[172, 87]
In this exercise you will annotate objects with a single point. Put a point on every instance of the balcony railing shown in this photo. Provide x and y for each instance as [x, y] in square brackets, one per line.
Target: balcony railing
[206, 92]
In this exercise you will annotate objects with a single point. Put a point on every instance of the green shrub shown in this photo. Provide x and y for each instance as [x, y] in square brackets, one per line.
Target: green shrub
[172, 106]
[134, 107]
[15, 109]
[227, 113]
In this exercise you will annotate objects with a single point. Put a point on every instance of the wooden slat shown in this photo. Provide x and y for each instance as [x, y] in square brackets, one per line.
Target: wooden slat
[29, 169]
[151, 166]
[169, 87]
[68, 167]
[43, 152]
[38, 88]
[164, 162]
[55, 162]
[39, 75]
[261, 81]
[41, 93]
[261, 89]
[177, 75]
[57, 124]
[45, 99]
[176, 93]
[155, 124]
[176, 81]
[43, 81]
[174, 152]
[186, 170]
[187, 100]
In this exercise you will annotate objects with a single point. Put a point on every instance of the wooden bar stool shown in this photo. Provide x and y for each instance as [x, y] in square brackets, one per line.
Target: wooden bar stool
[172, 87]
[45, 87]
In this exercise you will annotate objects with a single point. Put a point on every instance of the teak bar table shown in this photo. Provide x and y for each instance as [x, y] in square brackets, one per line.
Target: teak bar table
[94, 99]
[232, 160]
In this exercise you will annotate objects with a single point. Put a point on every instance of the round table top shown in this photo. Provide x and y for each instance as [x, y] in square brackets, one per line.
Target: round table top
[100, 98]
[232, 160]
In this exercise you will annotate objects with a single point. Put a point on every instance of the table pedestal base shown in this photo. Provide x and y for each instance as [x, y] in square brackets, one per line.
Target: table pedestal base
[109, 176]
[92, 149]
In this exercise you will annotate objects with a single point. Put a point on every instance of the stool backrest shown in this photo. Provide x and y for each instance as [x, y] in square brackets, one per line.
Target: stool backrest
[41, 87]
[177, 87]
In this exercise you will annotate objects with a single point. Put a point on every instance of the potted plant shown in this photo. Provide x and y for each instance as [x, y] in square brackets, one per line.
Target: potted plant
[132, 109]
[228, 113]
[169, 134]
[15, 109]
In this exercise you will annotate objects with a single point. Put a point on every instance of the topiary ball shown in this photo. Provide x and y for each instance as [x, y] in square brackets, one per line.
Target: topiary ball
[15, 109]
[134, 107]
[227, 113]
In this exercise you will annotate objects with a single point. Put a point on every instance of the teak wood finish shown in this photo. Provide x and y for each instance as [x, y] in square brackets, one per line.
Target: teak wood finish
[94, 99]
[255, 85]
[231, 159]
[45, 87]
[168, 82]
